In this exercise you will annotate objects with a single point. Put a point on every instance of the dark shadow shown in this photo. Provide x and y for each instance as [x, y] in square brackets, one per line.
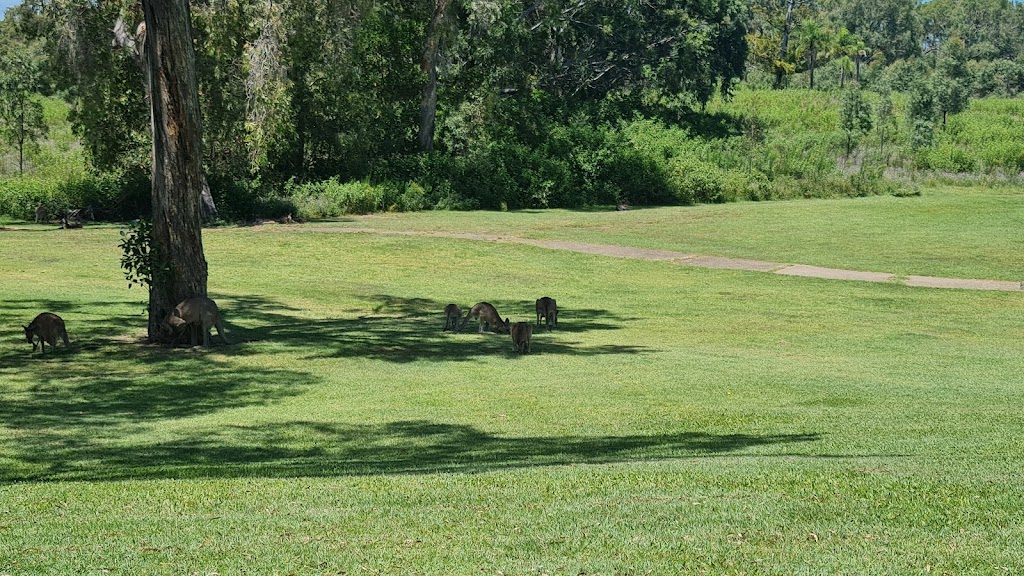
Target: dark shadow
[309, 449]
[410, 329]
[108, 379]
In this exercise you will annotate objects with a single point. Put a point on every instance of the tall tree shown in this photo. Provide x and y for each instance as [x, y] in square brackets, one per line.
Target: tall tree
[431, 53]
[177, 241]
[815, 41]
[21, 114]
[890, 26]
[952, 78]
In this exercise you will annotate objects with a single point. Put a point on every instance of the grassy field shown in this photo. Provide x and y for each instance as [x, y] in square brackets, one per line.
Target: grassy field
[679, 420]
[950, 231]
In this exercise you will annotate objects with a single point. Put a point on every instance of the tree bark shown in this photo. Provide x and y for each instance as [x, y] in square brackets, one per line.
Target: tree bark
[428, 104]
[177, 240]
[133, 44]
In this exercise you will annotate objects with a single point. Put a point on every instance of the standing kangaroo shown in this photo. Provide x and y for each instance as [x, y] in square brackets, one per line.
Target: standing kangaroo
[521, 332]
[47, 327]
[548, 310]
[487, 315]
[197, 311]
[452, 315]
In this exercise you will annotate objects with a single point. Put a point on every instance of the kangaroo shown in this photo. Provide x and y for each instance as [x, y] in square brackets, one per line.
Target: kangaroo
[548, 310]
[452, 315]
[487, 314]
[42, 214]
[521, 332]
[198, 311]
[47, 327]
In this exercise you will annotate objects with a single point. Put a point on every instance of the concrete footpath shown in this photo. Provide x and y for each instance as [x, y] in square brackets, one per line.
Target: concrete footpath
[696, 260]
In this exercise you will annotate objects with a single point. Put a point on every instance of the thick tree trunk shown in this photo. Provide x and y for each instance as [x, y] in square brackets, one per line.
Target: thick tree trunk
[177, 159]
[428, 104]
[133, 44]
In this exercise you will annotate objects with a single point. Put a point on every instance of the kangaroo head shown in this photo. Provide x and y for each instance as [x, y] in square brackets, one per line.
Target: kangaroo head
[29, 333]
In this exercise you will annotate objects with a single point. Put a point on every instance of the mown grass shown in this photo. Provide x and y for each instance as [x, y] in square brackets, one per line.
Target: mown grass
[948, 231]
[679, 421]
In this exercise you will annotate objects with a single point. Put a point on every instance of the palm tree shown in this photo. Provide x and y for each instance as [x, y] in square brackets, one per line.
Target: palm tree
[814, 40]
[845, 48]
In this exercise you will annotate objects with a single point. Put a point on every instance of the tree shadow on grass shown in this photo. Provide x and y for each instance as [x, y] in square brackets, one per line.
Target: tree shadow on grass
[310, 449]
[107, 379]
[404, 330]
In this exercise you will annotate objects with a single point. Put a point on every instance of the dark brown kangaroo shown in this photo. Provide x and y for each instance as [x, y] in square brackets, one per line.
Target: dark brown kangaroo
[47, 327]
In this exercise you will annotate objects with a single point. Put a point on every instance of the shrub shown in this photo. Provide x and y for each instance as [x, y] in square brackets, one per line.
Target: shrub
[330, 198]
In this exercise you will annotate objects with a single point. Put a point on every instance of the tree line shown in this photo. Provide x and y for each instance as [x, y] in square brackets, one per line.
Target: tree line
[477, 103]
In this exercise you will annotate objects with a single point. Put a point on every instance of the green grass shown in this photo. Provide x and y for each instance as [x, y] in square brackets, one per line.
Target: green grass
[955, 232]
[679, 421]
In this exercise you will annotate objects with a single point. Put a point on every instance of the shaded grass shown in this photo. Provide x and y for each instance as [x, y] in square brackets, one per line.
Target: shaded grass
[679, 421]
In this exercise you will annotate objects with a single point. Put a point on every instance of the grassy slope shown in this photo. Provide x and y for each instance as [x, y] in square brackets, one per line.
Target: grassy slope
[682, 420]
[956, 232]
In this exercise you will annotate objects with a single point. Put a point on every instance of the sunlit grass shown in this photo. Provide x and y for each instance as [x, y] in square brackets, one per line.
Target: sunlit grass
[956, 232]
[679, 421]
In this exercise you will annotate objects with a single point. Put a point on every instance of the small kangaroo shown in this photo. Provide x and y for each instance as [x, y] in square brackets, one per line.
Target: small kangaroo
[548, 310]
[198, 311]
[521, 332]
[42, 214]
[452, 315]
[486, 314]
[47, 327]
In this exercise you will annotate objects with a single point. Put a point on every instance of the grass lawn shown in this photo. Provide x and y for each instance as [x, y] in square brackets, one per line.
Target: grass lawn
[948, 231]
[680, 420]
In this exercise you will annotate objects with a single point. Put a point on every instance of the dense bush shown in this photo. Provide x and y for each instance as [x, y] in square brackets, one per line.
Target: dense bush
[108, 196]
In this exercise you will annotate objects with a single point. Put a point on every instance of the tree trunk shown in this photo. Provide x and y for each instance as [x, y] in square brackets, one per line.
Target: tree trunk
[784, 50]
[813, 58]
[133, 44]
[428, 104]
[177, 240]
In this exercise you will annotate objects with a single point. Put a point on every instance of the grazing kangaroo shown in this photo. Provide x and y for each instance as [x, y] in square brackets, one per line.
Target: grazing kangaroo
[452, 315]
[548, 310]
[487, 314]
[197, 311]
[521, 332]
[47, 327]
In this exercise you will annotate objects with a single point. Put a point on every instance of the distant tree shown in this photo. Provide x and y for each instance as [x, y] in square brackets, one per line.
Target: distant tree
[890, 26]
[952, 80]
[921, 113]
[815, 40]
[21, 114]
[885, 117]
[854, 117]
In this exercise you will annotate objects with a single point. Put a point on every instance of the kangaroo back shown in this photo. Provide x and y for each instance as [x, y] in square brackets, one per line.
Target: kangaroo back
[547, 309]
[452, 315]
[521, 333]
[487, 314]
[199, 311]
[47, 327]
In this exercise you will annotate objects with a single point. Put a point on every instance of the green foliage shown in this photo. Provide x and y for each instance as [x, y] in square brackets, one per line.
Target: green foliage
[330, 198]
[854, 117]
[21, 114]
[138, 261]
[921, 113]
[109, 196]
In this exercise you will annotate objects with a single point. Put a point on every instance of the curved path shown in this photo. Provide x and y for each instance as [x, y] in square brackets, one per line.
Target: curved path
[696, 260]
